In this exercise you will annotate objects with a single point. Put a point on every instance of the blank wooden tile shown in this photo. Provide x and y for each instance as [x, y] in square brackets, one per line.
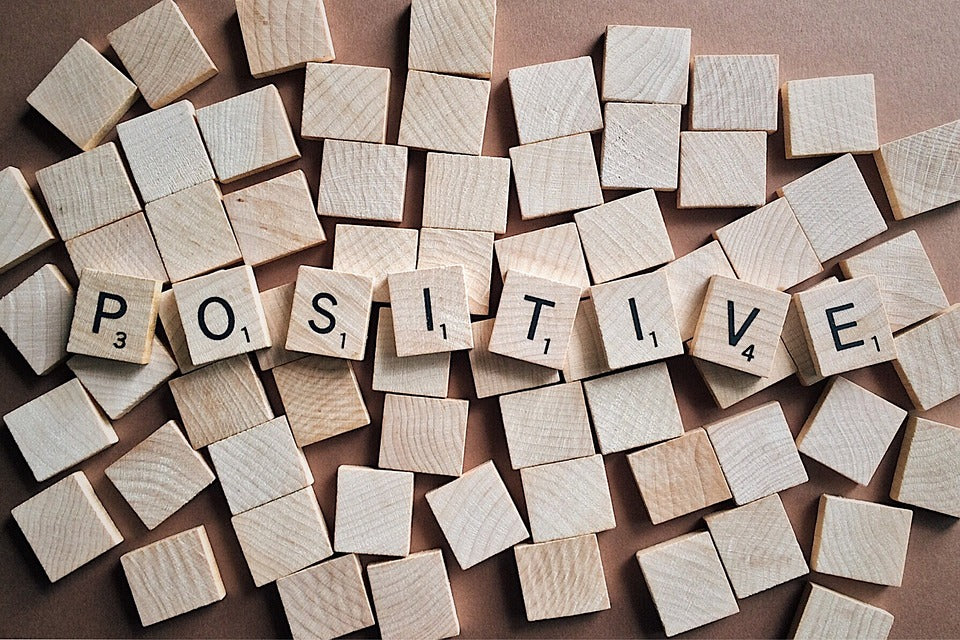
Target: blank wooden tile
[828, 614]
[345, 102]
[495, 375]
[722, 169]
[36, 315]
[426, 375]
[729, 386]
[466, 192]
[687, 582]
[374, 510]
[362, 180]
[473, 250]
[327, 600]
[735, 93]
[646, 64]
[430, 311]
[277, 304]
[477, 515]
[452, 36]
[927, 474]
[688, 277]
[283, 35]
[412, 597]
[829, 116]
[795, 340]
[641, 146]
[424, 435]
[83, 95]
[555, 176]
[169, 317]
[555, 99]
[757, 545]
[444, 113]
[125, 247]
[83, 528]
[553, 253]
[567, 499]
[330, 313]
[375, 252]
[546, 425]
[585, 355]
[27, 230]
[861, 540]
[562, 578]
[928, 359]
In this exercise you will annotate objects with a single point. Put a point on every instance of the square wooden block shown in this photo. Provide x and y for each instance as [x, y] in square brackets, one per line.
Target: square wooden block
[546, 425]
[430, 311]
[927, 474]
[641, 146]
[374, 511]
[688, 277]
[472, 250]
[567, 499]
[36, 315]
[861, 540]
[794, 338]
[555, 176]
[375, 252]
[362, 180]
[495, 375]
[585, 355]
[83, 528]
[426, 375]
[169, 317]
[424, 435]
[444, 113]
[27, 230]
[83, 96]
[457, 504]
[828, 614]
[830, 116]
[927, 357]
[729, 386]
[735, 93]
[279, 36]
[538, 89]
[646, 64]
[553, 253]
[345, 102]
[722, 169]
[452, 36]
[277, 304]
[562, 578]
[327, 600]
[413, 598]
[330, 313]
[466, 192]
[125, 247]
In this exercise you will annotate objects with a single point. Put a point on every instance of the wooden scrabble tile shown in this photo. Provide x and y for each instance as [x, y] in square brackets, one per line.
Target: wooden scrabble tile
[687, 582]
[327, 600]
[537, 90]
[795, 340]
[452, 36]
[345, 102]
[222, 315]
[553, 253]
[83, 528]
[283, 536]
[192, 231]
[850, 430]
[444, 113]
[330, 313]
[585, 355]
[169, 317]
[633, 409]
[757, 545]
[567, 499]
[424, 435]
[426, 375]
[125, 247]
[375, 252]
[165, 151]
[83, 95]
[928, 359]
[829, 116]
[845, 325]
[637, 321]
[36, 314]
[861, 540]
[317, 416]
[722, 169]
[927, 474]
[220, 400]
[495, 375]
[688, 277]
[87, 191]
[160, 475]
[555, 176]
[641, 146]
[834, 207]
[27, 231]
[374, 511]
[457, 505]
[430, 311]
[473, 250]
[544, 425]
[828, 614]
[562, 578]
[362, 180]
[413, 598]
[466, 192]
[735, 93]
[729, 386]
[740, 325]
[646, 64]
[173, 576]
[279, 36]
[277, 304]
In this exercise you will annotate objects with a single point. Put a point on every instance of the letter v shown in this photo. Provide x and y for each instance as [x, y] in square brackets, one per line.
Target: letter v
[737, 334]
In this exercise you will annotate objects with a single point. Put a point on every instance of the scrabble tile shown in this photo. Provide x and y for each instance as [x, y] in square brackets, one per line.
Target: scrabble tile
[283, 536]
[861, 540]
[928, 359]
[83, 528]
[424, 435]
[426, 375]
[452, 36]
[795, 340]
[850, 430]
[757, 453]
[553, 253]
[495, 375]
[729, 386]
[688, 277]
[375, 252]
[327, 600]
[363, 181]
[585, 355]
[641, 146]
[222, 315]
[926, 474]
[125, 247]
[472, 250]
[83, 95]
[544, 425]
[345, 102]
[829, 116]
[679, 476]
[279, 36]
[567, 499]
[538, 89]
[430, 311]
[165, 151]
[735, 93]
[413, 598]
[444, 113]
[169, 317]
[828, 614]
[637, 321]
[722, 169]
[193, 232]
[632, 409]
[562, 578]
[317, 416]
[173, 576]
[160, 475]
[466, 192]
[36, 315]
[477, 515]
[834, 207]
[220, 400]
[646, 64]
[555, 176]
[277, 304]
[687, 582]
[330, 313]
[374, 510]
[740, 325]
[757, 546]
[247, 133]
[27, 231]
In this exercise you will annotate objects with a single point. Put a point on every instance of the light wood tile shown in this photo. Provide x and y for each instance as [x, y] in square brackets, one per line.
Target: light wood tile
[280, 35]
[327, 600]
[555, 99]
[928, 359]
[646, 64]
[735, 93]
[926, 474]
[330, 313]
[553, 253]
[36, 315]
[125, 247]
[444, 113]
[828, 614]
[426, 375]
[375, 252]
[555, 176]
[27, 230]
[641, 146]
[495, 375]
[722, 169]
[362, 180]
[374, 511]
[466, 192]
[345, 102]
[562, 578]
[829, 116]
[545, 425]
[430, 311]
[567, 499]
[423, 435]
[473, 250]
[412, 597]
[452, 36]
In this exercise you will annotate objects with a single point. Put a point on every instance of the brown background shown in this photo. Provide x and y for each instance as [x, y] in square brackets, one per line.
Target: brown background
[912, 49]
